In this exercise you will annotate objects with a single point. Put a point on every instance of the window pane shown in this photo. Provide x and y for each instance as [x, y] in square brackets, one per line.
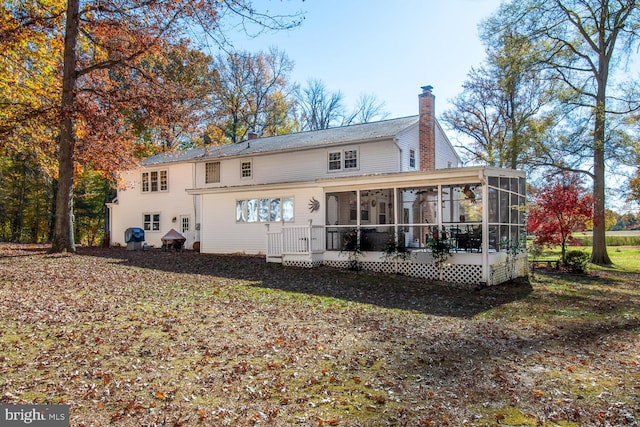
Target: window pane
[240, 211]
[351, 159]
[154, 181]
[145, 181]
[263, 210]
[275, 210]
[493, 205]
[335, 161]
[163, 180]
[494, 238]
[504, 207]
[504, 183]
[246, 169]
[184, 224]
[252, 210]
[287, 209]
[212, 172]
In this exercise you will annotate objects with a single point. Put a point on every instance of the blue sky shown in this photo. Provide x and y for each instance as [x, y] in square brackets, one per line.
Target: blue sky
[382, 47]
[387, 48]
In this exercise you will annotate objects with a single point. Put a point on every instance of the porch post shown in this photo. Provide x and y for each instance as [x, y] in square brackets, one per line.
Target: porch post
[439, 209]
[268, 248]
[486, 267]
[395, 217]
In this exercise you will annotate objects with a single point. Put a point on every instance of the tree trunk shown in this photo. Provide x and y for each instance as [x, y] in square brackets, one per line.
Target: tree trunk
[51, 220]
[599, 253]
[63, 240]
[18, 219]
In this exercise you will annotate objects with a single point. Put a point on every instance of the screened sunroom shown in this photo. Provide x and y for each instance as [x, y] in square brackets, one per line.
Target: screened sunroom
[395, 223]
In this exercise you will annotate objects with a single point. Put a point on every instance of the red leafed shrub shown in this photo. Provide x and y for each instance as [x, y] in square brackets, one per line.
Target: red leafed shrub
[557, 210]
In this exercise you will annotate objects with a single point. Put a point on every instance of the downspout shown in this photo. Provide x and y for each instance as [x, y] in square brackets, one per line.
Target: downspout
[400, 167]
[196, 217]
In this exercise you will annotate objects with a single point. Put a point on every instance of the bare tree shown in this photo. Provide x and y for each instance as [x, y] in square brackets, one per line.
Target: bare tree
[368, 108]
[319, 108]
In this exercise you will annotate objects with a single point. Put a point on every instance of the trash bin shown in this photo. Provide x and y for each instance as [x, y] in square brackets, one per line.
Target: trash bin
[134, 237]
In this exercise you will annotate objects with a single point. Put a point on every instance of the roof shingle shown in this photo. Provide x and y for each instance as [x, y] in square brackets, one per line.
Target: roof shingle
[326, 137]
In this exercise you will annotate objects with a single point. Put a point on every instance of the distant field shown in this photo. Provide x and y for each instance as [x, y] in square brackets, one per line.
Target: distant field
[613, 238]
[625, 233]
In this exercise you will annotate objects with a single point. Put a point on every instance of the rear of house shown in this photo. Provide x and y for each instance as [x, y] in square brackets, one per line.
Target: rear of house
[299, 198]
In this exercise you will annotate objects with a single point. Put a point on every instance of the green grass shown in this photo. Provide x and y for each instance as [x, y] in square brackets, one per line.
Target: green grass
[625, 259]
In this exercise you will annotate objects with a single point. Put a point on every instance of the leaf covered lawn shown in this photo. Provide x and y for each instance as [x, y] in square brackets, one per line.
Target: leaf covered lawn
[156, 338]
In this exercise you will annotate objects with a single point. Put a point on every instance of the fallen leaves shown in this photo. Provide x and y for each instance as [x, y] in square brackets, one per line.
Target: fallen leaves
[151, 338]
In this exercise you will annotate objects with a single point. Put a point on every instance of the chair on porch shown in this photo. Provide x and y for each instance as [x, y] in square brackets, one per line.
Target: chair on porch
[475, 239]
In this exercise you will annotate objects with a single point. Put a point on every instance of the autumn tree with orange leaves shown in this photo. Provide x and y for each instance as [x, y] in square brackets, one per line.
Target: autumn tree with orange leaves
[557, 210]
[101, 71]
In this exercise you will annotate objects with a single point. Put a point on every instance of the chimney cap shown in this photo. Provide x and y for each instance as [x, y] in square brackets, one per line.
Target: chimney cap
[427, 88]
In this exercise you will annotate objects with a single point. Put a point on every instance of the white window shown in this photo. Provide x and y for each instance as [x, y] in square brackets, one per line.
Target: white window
[412, 158]
[245, 169]
[335, 161]
[265, 210]
[151, 221]
[154, 181]
[341, 160]
[351, 159]
[212, 172]
[184, 224]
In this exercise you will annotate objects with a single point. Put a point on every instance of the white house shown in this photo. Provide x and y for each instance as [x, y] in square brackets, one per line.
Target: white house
[302, 199]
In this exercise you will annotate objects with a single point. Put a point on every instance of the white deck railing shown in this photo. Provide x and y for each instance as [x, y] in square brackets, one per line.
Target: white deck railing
[295, 240]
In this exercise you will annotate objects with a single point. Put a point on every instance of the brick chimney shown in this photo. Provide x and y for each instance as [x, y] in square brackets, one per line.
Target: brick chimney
[427, 129]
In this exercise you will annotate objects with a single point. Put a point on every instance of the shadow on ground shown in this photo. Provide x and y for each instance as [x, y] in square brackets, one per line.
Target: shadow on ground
[384, 290]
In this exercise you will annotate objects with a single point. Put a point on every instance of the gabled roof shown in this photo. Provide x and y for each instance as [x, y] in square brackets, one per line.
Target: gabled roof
[384, 129]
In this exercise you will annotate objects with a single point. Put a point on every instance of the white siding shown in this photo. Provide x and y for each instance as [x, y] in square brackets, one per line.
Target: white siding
[222, 234]
[408, 140]
[303, 165]
[133, 203]
[446, 155]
